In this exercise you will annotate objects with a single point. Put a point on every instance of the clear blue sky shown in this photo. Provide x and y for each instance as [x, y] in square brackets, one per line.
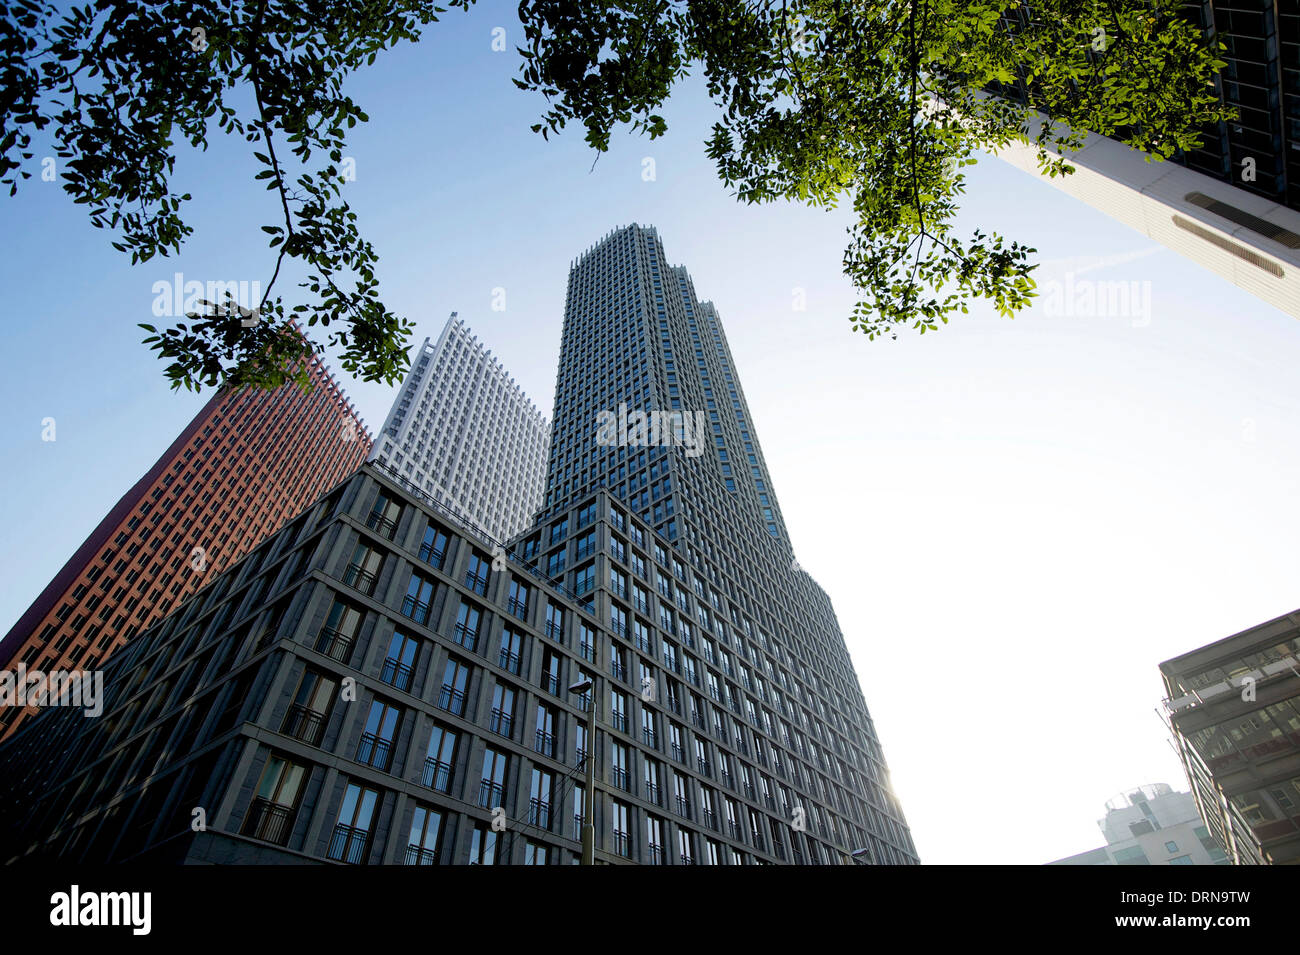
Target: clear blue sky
[1017, 520]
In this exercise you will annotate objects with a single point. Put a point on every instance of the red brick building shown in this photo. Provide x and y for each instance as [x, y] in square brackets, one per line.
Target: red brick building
[248, 463]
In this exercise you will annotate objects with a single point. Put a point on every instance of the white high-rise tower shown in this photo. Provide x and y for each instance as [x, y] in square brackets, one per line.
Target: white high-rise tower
[466, 435]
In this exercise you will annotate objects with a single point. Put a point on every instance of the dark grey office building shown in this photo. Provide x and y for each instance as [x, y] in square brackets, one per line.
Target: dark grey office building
[379, 683]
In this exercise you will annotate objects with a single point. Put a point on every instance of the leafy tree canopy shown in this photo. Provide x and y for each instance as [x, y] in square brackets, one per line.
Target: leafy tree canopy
[822, 101]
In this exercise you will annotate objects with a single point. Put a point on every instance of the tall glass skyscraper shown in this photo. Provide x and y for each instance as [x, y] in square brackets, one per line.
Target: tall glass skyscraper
[648, 405]
[650, 627]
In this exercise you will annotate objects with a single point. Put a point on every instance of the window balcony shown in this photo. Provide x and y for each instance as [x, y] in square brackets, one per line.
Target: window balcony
[385, 526]
[334, 644]
[304, 723]
[375, 751]
[417, 855]
[539, 813]
[417, 610]
[269, 821]
[437, 775]
[451, 699]
[395, 673]
[465, 635]
[348, 844]
[501, 722]
[544, 743]
[360, 580]
[490, 794]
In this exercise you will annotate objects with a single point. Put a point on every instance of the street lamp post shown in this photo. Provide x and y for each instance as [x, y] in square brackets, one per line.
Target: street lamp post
[589, 803]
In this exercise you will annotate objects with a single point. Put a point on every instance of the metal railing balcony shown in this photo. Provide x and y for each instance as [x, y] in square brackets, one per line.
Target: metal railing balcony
[360, 580]
[465, 635]
[417, 610]
[269, 821]
[437, 775]
[418, 855]
[374, 751]
[451, 699]
[380, 524]
[544, 743]
[490, 794]
[334, 643]
[348, 844]
[304, 723]
[395, 673]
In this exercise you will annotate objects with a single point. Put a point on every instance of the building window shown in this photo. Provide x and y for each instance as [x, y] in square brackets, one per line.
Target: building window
[352, 830]
[376, 745]
[466, 629]
[621, 842]
[422, 845]
[399, 663]
[307, 715]
[510, 655]
[503, 710]
[539, 799]
[476, 575]
[544, 742]
[434, 548]
[440, 760]
[517, 602]
[535, 854]
[384, 515]
[419, 595]
[1131, 856]
[483, 845]
[270, 816]
[492, 784]
[454, 681]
